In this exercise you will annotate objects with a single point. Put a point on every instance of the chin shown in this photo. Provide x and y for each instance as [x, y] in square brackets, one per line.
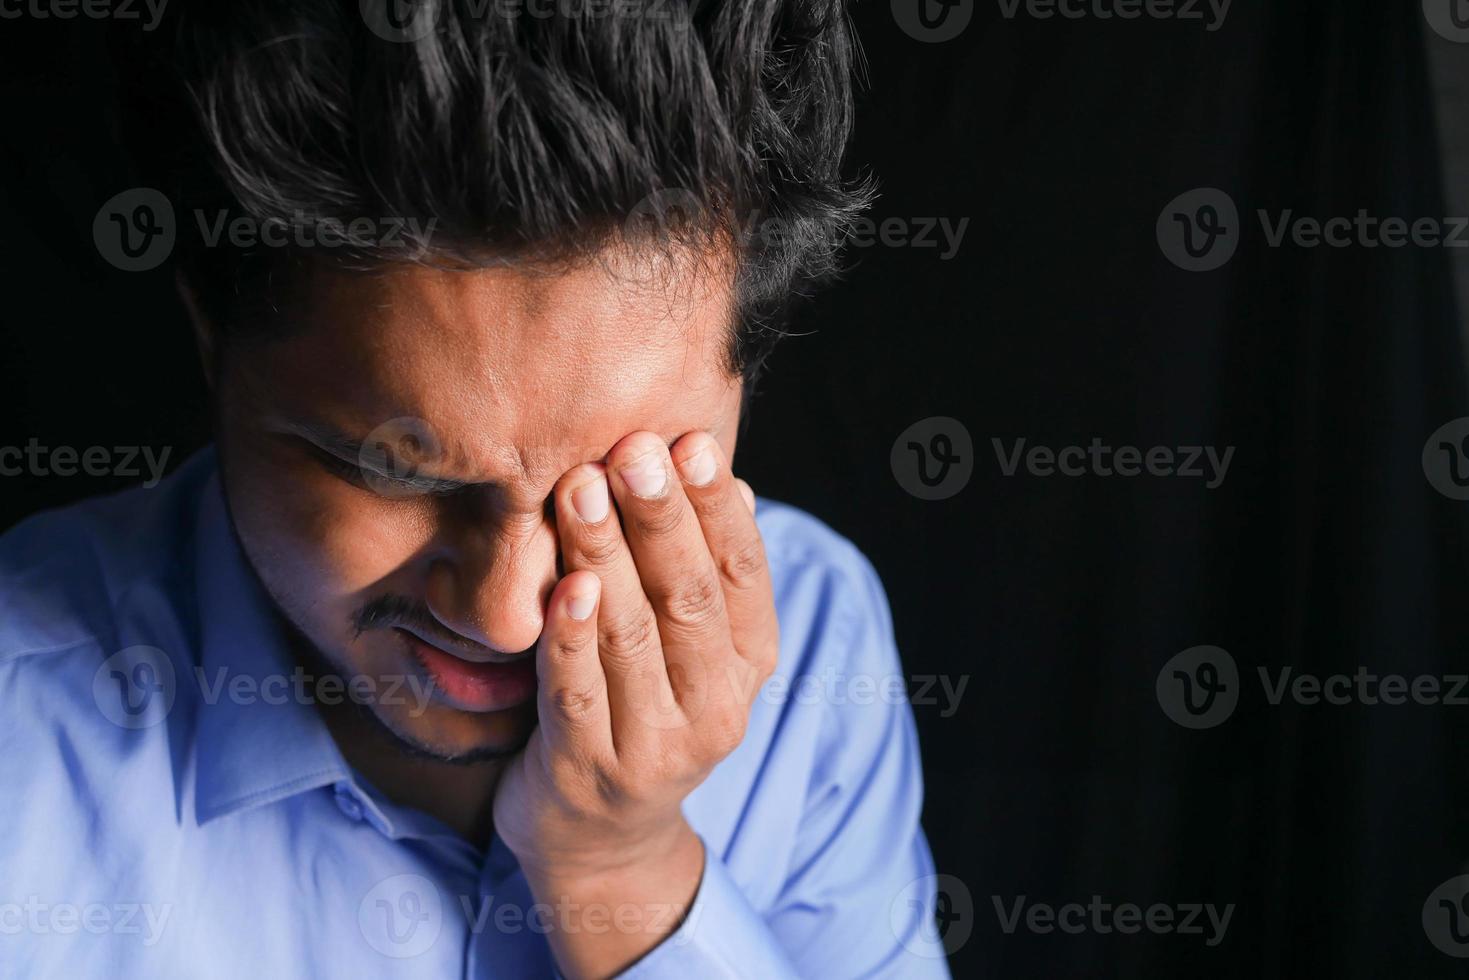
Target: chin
[448, 734]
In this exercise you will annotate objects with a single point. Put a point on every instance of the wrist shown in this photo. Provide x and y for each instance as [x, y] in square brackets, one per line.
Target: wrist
[666, 854]
[607, 915]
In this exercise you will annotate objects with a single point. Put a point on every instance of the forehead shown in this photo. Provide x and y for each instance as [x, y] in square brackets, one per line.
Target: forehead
[513, 369]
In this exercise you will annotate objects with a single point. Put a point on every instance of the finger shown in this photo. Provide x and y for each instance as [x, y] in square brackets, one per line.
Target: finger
[628, 650]
[573, 702]
[725, 508]
[747, 493]
[672, 558]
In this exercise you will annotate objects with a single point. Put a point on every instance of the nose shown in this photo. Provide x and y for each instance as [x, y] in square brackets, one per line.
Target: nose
[491, 584]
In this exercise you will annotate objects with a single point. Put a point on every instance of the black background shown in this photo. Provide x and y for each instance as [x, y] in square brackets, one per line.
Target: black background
[1058, 600]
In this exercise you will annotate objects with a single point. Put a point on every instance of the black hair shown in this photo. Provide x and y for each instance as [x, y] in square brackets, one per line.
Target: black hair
[514, 130]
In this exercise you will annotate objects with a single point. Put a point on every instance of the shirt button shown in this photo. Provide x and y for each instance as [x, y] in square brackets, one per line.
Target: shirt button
[348, 803]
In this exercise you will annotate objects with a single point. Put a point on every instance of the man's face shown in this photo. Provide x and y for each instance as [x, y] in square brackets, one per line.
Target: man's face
[389, 467]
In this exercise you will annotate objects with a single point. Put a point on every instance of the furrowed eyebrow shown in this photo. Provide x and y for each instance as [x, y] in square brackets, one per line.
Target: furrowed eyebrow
[349, 450]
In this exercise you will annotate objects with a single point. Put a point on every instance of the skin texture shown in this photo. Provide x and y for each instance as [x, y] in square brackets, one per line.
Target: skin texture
[530, 395]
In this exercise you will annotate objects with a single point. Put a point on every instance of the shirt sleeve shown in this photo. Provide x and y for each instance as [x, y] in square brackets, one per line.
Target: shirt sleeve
[859, 898]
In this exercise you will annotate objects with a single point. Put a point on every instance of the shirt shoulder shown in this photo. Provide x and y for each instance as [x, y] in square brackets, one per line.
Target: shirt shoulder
[826, 593]
[71, 577]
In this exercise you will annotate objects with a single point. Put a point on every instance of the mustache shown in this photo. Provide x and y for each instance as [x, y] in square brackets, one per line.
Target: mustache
[388, 611]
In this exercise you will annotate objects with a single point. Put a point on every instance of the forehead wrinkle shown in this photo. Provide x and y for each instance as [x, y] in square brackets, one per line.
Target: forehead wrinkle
[523, 371]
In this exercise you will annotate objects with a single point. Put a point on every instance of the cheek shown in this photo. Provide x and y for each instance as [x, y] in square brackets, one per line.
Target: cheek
[319, 542]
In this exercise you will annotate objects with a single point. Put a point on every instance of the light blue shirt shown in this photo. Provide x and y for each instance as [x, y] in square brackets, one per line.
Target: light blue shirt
[172, 805]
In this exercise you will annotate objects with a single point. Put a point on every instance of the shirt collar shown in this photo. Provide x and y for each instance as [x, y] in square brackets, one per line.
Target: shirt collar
[270, 743]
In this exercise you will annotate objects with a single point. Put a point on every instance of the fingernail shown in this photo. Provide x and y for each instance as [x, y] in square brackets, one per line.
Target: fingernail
[590, 501]
[579, 607]
[645, 476]
[698, 469]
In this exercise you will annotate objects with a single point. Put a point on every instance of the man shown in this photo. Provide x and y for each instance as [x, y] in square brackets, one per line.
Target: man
[464, 653]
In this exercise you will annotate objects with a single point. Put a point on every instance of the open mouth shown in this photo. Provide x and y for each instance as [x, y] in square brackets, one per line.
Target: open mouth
[470, 685]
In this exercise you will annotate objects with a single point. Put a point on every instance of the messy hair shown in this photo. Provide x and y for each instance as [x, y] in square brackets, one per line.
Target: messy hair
[522, 131]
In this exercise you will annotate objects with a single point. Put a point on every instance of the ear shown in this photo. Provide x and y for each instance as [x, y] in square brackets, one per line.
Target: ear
[205, 336]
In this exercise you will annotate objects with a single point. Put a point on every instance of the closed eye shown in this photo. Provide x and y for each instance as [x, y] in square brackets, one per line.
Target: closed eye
[358, 475]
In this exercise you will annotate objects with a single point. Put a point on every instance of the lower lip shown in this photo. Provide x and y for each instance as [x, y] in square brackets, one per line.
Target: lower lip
[473, 686]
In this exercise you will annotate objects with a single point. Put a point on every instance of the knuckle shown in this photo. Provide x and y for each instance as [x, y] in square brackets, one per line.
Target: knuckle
[767, 656]
[658, 519]
[572, 705]
[629, 639]
[600, 548]
[694, 602]
[743, 566]
[726, 732]
[586, 781]
[570, 646]
[607, 787]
